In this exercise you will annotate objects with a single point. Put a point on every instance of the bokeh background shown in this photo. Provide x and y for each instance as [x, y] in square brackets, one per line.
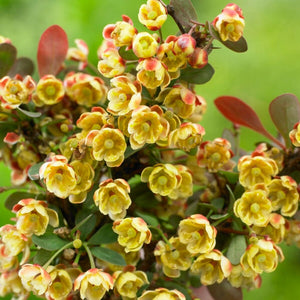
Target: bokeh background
[268, 69]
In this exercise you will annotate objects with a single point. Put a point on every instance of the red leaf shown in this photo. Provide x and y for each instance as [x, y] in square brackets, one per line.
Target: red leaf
[285, 113]
[240, 113]
[52, 50]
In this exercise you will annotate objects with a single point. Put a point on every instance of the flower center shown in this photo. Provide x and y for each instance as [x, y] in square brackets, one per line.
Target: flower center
[50, 90]
[230, 27]
[58, 177]
[255, 171]
[216, 157]
[175, 254]
[146, 127]
[152, 15]
[13, 89]
[113, 199]
[57, 286]
[131, 233]
[109, 144]
[254, 208]
[261, 258]
[122, 97]
[281, 195]
[162, 180]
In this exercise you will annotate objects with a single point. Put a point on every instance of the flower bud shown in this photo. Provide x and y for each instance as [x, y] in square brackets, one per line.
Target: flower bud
[198, 59]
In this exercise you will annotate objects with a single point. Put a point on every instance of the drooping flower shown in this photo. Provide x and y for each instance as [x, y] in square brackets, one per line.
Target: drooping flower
[112, 198]
[253, 208]
[144, 45]
[60, 177]
[295, 135]
[93, 284]
[230, 23]
[162, 294]
[132, 233]
[212, 266]
[162, 178]
[10, 282]
[79, 54]
[34, 278]
[284, 195]
[33, 216]
[15, 91]
[174, 258]
[147, 125]
[197, 233]
[128, 282]
[124, 96]
[153, 14]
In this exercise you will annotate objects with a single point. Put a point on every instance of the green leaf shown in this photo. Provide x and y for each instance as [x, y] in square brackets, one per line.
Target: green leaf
[285, 113]
[31, 114]
[22, 66]
[184, 12]
[236, 249]
[105, 235]
[127, 54]
[145, 199]
[225, 291]
[134, 181]
[33, 172]
[197, 76]
[86, 228]
[8, 55]
[238, 46]
[219, 216]
[42, 256]
[218, 203]
[149, 219]
[231, 198]
[231, 177]
[49, 241]
[109, 255]
[15, 197]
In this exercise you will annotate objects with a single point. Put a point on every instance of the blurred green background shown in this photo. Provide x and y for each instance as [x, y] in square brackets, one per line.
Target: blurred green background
[268, 69]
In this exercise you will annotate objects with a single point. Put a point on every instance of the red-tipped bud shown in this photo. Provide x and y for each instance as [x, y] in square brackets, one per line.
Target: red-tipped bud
[186, 44]
[198, 59]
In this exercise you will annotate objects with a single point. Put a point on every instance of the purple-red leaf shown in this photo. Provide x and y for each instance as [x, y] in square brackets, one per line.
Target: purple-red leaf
[285, 113]
[22, 66]
[8, 54]
[225, 291]
[52, 50]
[242, 114]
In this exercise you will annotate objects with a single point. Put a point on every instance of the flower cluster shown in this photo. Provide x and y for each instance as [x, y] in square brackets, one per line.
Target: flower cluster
[125, 199]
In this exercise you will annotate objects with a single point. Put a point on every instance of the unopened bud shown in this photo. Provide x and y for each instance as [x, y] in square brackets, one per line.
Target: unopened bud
[198, 59]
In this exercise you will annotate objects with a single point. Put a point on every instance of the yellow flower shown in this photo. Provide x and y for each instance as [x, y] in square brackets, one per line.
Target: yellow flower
[85, 89]
[230, 23]
[147, 125]
[152, 73]
[173, 60]
[16, 91]
[187, 137]
[93, 284]
[275, 229]
[15, 242]
[49, 91]
[124, 96]
[144, 45]
[256, 169]
[84, 175]
[35, 279]
[133, 233]
[180, 100]
[10, 282]
[93, 120]
[60, 177]
[7, 262]
[253, 208]
[61, 284]
[237, 279]
[127, 283]
[212, 266]
[295, 135]
[292, 233]
[214, 155]
[260, 256]
[185, 189]
[197, 233]
[112, 198]
[121, 33]
[162, 294]
[108, 144]
[79, 54]
[174, 258]
[111, 63]
[162, 178]
[153, 14]
[284, 195]
[33, 217]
